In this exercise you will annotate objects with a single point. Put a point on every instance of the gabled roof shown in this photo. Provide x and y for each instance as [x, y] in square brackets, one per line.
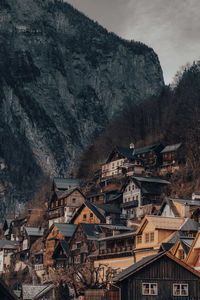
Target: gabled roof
[185, 242]
[149, 260]
[44, 291]
[69, 192]
[165, 223]
[189, 202]
[64, 183]
[92, 231]
[190, 225]
[168, 201]
[92, 208]
[146, 149]
[34, 231]
[150, 179]
[171, 148]
[67, 230]
[107, 208]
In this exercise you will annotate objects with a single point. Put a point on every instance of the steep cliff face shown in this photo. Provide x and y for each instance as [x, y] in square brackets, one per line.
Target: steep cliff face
[63, 78]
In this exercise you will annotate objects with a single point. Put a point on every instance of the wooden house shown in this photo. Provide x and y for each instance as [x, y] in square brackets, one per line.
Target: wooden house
[159, 276]
[182, 247]
[83, 242]
[120, 161]
[174, 207]
[63, 205]
[96, 213]
[193, 257]
[57, 232]
[113, 197]
[6, 228]
[7, 249]
[140, 191]
[171, 159]
[115, 251]
[30, 235]
[153, 231]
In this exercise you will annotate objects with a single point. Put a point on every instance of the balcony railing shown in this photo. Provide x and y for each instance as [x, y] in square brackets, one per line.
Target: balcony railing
[39, 267]
[116, 250]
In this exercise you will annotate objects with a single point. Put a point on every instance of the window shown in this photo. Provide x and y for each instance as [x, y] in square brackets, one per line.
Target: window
[84, 217]
[137, 197]
[73, 200]
[133, 187]
[139, 239]
[152, 236]
[146, 237]
[91, 216]
[181, 254]
[180, 289]
[149, 289]
[129, 188]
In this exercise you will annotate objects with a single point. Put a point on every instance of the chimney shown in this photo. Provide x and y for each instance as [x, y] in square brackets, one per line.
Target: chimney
[132, 146]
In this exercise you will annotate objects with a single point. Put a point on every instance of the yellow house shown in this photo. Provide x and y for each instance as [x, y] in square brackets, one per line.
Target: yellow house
[193, 257]
[152, 232]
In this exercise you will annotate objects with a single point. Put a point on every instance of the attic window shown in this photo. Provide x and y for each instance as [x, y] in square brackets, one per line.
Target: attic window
[149, 289]
[73, 200]
[84, 217]
[180, 289]
[91, 216]
[139, 239]
[181, 254]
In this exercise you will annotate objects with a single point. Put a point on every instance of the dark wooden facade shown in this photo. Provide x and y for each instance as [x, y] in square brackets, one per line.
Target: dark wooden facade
[165, 272]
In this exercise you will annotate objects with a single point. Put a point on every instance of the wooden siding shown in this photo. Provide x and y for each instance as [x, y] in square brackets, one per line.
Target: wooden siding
[165, 272]
[86, 219]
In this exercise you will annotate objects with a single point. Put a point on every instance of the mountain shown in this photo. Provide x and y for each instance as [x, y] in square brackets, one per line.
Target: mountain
[63, 79]
[171, 118]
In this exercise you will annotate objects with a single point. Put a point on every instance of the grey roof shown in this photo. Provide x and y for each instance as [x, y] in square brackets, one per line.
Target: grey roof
[135, 266]
[67, 230]
[147, 148]
[64, 183]
[17, 293]
[186, 243]
[190, 225]
[68, 192]
[171, 148]
[34, 231]
[168, 201]
[95, 211]
[187, 201]
[128, 153]
[30, 291]
[92, 231]
[116, 227]
[44, 291]
[151, 179]
[108, 208]
[4, 243]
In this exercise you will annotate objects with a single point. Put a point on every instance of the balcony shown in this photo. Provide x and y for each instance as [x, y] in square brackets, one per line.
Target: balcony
[56, 213]
[117, 250]
[39, 267]
[84, 249]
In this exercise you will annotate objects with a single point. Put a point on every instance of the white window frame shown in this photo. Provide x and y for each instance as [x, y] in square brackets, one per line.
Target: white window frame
[180, 289]
[149, 289]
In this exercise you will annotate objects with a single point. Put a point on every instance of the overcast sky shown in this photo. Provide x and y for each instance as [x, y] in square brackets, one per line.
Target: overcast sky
[170, 27]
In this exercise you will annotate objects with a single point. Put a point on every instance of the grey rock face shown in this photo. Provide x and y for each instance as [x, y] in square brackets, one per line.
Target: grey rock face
[63, 78]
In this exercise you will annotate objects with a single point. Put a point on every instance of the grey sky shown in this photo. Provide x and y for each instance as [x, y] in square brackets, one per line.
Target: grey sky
[170, 27]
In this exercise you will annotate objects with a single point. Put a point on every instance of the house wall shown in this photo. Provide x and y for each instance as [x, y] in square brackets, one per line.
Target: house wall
[167, 212]
[165, 272]
[149, 228]
[85, 217]
[111, 168]
[131, 193]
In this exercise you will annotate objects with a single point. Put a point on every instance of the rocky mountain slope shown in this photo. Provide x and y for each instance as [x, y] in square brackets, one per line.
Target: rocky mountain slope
[63, 78]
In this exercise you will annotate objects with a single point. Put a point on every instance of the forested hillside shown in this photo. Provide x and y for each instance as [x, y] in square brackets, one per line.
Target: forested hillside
[172, 117]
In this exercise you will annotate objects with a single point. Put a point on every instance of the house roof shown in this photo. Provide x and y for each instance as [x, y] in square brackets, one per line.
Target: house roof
[147, 148]
[148, 260]
[171, 148]
[34, 231]
[168, 201]
[8, 294]
[186, 201]
[116, 227]
[165, 223]
[64, 245]
[150, 179]
[68, 193]
[67, 230]
[128, 153]
[31, 291]
[92, 231]
[5, 243]
[195, 245]
[107, 208]
[190, 225]
[44, 291]
[64, 183]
